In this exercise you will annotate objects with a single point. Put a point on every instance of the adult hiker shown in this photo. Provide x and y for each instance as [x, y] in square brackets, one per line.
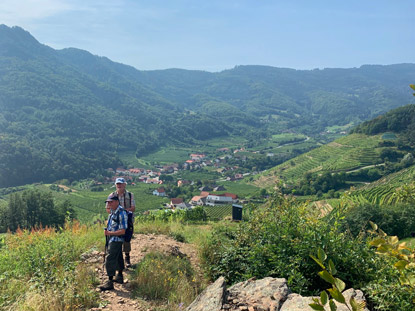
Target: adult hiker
[114, 234]
[128, 203]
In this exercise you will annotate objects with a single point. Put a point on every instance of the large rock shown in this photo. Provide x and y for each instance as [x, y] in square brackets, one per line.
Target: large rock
[211, 299]
[268, 294]
[265, 294]
[297, 302]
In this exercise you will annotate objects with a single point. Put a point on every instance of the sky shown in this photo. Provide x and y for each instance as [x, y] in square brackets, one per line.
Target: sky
[214, 35]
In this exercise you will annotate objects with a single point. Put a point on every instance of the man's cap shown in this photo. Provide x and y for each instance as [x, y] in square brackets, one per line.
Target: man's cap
[112, 197]
[120, 181]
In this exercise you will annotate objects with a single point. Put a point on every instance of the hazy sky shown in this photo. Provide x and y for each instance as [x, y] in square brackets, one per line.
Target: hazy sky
[214, 35]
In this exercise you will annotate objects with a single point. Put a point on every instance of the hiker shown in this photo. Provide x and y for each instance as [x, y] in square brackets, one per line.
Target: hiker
[128, 203]
[114, 235]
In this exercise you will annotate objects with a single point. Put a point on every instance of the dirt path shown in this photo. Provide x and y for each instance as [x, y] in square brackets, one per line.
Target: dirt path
[141, 244]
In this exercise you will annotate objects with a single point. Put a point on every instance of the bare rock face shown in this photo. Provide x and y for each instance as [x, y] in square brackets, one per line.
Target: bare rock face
[268, 294]
[265, 294]
[211, 299]
[297, 302]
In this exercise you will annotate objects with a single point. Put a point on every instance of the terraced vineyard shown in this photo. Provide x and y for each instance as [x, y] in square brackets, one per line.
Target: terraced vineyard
[384, 189]
[345, 154]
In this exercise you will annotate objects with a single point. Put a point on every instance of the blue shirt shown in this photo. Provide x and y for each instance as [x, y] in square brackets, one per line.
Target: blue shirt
[117, 220]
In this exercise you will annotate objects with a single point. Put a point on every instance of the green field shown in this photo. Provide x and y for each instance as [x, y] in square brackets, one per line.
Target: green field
[287, 138]
[240, 188]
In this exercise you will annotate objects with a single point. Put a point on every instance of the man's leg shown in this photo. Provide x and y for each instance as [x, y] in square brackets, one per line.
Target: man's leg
[112, 263]
[127, 249]
[120, 266]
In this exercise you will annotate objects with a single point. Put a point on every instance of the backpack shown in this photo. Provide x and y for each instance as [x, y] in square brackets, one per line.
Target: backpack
[130, 225]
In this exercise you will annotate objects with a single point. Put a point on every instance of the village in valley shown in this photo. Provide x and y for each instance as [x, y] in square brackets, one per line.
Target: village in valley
[162, 174]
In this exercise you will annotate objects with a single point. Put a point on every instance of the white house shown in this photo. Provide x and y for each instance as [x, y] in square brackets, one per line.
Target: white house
[212, 200]
[160, 192]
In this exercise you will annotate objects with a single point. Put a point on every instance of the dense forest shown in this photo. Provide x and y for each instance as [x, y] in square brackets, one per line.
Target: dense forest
[68, 114]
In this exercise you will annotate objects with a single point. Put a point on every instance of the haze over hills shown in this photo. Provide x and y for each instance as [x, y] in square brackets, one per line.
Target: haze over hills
[67, 113]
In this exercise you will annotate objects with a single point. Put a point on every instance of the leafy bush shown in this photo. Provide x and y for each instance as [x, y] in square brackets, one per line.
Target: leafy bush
[278, 240]
[396, 219]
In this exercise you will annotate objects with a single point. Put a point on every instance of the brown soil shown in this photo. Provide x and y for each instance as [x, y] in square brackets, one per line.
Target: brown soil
[141, 244]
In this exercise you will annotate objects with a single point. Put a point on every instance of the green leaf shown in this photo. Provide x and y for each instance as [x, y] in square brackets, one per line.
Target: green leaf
[401, 264]
[332, 268]
[373, 225]
[339, 284]
[327, 277]
[353, 303]
[357, 306]
[334, 292]
[318, 261]
[377, 242]
[321, 254]
[317, 307]
[332, 305]
[324, 297]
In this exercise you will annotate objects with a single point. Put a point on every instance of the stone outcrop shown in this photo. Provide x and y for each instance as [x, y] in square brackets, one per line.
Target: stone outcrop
[211, 299]
[268, 294]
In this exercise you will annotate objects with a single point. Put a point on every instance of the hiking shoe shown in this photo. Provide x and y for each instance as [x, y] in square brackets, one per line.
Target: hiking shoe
[119, 279]
[127, 262]
[107, 286]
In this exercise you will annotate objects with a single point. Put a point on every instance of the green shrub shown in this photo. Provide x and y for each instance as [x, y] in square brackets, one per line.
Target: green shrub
[398, 219]
[387, 294]
[278, 240]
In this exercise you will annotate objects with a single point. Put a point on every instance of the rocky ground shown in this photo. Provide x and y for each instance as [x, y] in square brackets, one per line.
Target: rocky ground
[141, 244]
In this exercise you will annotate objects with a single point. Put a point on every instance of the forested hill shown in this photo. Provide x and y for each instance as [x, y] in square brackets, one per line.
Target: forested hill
[67, 113]
[400, 120]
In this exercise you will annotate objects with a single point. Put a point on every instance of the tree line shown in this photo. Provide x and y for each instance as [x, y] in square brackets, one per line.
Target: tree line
[32, 209]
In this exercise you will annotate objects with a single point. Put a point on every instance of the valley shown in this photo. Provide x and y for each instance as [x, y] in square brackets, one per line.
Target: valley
[320, 165]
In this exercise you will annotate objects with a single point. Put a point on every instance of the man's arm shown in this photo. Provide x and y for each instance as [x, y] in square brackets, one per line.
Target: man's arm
[115, 233]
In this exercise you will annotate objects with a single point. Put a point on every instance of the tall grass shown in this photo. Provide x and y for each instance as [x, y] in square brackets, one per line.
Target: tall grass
[167, 279]
[41, 269]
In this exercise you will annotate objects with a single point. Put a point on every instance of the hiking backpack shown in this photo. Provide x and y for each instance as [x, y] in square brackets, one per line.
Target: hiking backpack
[130, 227]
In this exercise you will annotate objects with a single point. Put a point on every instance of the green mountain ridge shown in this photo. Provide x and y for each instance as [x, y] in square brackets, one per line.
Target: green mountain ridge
[68, 113]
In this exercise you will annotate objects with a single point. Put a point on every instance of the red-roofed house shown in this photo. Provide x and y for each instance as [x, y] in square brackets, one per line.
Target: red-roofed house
[198, 200]
[175, 201]
[160, 192]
